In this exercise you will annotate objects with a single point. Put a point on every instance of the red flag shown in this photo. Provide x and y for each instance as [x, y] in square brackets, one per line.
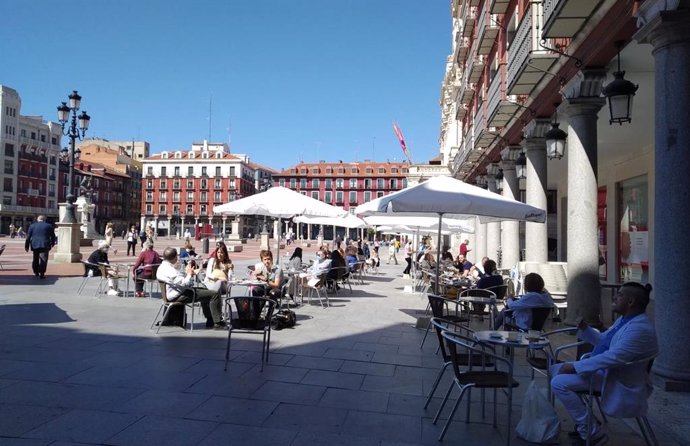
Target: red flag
[401, 138]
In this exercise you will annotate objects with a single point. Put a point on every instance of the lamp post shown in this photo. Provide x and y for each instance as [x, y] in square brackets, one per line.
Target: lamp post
[74, 133]
[555, 139]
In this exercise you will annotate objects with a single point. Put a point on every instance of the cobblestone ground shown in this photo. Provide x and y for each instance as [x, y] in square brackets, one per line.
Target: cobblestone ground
[85, 369]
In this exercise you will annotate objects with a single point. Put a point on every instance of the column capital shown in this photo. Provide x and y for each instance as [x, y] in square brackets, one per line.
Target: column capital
[582, 106]
[510, 154]
[587, 83]
[660, 26]
[536, 128]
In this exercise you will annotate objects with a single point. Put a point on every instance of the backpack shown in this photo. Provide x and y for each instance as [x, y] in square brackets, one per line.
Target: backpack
[284, 319]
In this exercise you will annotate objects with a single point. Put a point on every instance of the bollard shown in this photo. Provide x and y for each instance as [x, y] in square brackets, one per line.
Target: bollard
[204, 246]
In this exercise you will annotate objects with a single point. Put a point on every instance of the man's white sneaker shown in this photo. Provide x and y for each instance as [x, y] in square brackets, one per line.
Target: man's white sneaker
[112, 292]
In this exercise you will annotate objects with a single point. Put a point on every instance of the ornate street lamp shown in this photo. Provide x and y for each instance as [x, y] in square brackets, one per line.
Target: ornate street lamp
[74, 133]
[521, 166]
[620, 94]
[499, 180]
[555, 139]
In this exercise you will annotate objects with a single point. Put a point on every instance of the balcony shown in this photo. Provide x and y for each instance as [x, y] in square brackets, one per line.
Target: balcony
[475, 68]
[488, 30]
[500, 108]
[460, 112]
[469, 17]
[528, 62]
[462, 47]
[499, 6]
[483, 135]
[177, 186]
[466, 93]
[565, 18]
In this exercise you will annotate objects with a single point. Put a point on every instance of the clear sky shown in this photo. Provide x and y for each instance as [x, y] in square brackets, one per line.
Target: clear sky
[293, 80]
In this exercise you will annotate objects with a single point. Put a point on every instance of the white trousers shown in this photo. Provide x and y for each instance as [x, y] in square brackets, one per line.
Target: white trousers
[564, 387]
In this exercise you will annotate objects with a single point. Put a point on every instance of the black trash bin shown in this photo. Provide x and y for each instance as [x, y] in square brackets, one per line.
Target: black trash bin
[204, 245]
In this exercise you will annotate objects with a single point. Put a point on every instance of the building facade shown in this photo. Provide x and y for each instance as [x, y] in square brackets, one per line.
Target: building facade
[30, 149]
[181, 187]
[118, 163]
[519, 69]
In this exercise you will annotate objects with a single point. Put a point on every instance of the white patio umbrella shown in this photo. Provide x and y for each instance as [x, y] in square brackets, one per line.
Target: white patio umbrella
[445, 196]
[349, 221]
[279, 202]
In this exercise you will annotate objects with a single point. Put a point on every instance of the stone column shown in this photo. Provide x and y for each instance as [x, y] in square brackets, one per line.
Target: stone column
[510, 230]
[479, 249]
[581, 106]
[493, 230]
[182, 226]
[534, 144]
[225, 219]
[669, 34]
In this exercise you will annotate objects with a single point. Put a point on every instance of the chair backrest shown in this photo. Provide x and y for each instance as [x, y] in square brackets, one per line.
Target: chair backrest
[539, 317]
[474, 350]
[164, 290]
[478, 292]
[251, 312]
[461, 331]
[437, 304]
[500, 291]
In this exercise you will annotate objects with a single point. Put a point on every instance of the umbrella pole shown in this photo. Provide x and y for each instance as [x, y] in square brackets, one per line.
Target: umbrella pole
[438, 253]
[280, 227]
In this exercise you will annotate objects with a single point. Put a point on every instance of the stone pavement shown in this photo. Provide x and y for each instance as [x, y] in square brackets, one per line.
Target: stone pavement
[87, 370]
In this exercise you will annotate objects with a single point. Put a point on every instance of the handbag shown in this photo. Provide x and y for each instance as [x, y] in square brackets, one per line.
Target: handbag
[539, 422]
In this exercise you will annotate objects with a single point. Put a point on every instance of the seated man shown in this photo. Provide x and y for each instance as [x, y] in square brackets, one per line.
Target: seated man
[624, 390]
[100, 257]
[267, 272]
[463, 265]
[521, 309]
[210, 300]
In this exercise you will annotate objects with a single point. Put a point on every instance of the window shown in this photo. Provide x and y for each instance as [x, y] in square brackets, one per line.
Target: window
[163, 171]
[177, 171]
[163, 196]
[281, 182]
[176, 196]
[204, 196]
[204, 184]
[339, 183]
[303, 171]
[202, 208]
[9, 150]
[149, 184]
[217, 171]
[9, 167]
[33, 135]
[190, 184]
[315, 195]
[328, 197]
[190, 196]
[43, 138]
[367, 183]
[190, 209]
[293, 183]
[633, 227]
[164, 184]
[217, 197]
[190, 171]
[232, 171]
[394, 170]
[404, 183]
[393, 183]
[315, 184]
[382, 170]
[329, 184]
[367, 196]
[354, 170]
[339, 197]
[218, 183]
[303, 183]
[203, 171]
[161, 209]
[149, 209]
[353, 197]
[379, 183]
[353, 183]
[149, 170]
[176, 184]
[379, 194]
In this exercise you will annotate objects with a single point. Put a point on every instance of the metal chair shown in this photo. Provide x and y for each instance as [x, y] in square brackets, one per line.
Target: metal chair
[252, 314]
[88, 266]
[482, 377]
[595, 394]
[166, 304]
[318, 286]
[539, 317]
[439, 309]
[150, 281]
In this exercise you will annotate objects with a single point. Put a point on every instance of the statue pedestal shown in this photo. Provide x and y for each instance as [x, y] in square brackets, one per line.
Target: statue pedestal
[69, 237]
[264, 241]
[84, 212]
[235, 237]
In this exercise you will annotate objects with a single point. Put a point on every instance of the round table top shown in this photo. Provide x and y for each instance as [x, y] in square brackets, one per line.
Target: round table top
[501, 338]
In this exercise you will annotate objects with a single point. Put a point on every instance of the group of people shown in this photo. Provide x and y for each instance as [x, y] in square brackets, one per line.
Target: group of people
[135, 236]
[17, 231]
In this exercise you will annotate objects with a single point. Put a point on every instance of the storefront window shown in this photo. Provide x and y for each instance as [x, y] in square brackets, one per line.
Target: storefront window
[601, 231]
[633, 255]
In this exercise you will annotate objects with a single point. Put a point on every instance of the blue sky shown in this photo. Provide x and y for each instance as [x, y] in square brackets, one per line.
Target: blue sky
[299, 79]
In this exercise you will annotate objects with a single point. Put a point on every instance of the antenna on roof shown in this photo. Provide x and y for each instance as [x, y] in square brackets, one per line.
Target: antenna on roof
[210, 103]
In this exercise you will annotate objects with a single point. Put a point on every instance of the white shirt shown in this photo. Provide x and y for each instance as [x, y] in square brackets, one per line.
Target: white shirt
[169, 274]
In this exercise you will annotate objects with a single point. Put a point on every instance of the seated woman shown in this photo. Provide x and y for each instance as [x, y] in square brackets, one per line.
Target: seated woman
[189, 248]
[428, 262]
[351, 257]
[337, 261]
[535, 297]
[294, 264]
[218, 271]
[100, 257]
[144, 267]
[374, 260]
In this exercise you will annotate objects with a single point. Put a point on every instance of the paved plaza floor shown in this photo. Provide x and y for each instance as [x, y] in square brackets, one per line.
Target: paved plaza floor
[79, 369]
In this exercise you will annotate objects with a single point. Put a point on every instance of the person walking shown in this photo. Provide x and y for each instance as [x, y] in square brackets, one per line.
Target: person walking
[109, 235]
[40, 238]
[408, 257]
[391, 254]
